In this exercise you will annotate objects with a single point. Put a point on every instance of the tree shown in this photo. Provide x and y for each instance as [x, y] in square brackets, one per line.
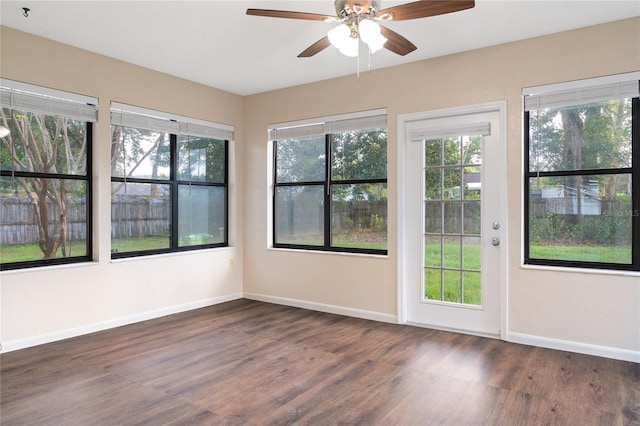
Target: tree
[359, 155]
[42, 144]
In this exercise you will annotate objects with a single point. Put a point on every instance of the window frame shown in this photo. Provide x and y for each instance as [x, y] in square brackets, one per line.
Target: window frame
[174, 183]
[633, 171]
[55, 103]
[327, 183]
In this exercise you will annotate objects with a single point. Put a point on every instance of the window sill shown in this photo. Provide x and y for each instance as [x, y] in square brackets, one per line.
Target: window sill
[324, 252]
[172, 254]
[581, 270]
[36, 269]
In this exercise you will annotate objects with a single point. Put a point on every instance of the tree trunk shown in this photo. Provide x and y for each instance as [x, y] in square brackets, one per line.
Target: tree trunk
[572, 158]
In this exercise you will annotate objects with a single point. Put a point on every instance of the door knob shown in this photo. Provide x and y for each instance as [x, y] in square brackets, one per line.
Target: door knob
[495, 241]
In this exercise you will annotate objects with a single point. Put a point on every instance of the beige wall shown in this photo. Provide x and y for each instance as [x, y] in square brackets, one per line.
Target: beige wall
[581, 309]
[596, 309]
[48, 303]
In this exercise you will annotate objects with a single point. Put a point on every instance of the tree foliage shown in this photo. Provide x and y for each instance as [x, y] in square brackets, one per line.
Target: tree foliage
[45, 144]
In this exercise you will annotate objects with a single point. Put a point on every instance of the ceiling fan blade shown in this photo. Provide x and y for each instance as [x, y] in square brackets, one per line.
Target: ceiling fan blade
[316, 47]
[397, 43]
[290, 14]
[423, 9]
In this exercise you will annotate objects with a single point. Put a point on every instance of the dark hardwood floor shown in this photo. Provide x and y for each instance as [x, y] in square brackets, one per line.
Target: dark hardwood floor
[247, 362]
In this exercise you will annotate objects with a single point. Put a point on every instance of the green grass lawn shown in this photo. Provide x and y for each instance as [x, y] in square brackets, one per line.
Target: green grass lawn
[27, 252]
[605, 254]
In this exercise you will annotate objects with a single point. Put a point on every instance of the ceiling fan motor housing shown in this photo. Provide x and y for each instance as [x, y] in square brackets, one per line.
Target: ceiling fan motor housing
[347, 8]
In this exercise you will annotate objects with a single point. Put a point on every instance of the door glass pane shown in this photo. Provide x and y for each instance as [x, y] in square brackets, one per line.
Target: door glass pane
[452, 154]
[471, 223]
[452, 218]
[472, 289]
[472, 150]
[433, 250]
[471, 254]
[433, 284]
[471, 183]
[433, 217]
[451, 183]
[432, 184]
[452, 286]
[433, 152]
[452, 252]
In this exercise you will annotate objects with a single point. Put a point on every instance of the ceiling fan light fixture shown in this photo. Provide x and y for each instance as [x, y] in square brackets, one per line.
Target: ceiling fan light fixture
[350, 47]
[343, 39]
[370, 34]
[339, 36]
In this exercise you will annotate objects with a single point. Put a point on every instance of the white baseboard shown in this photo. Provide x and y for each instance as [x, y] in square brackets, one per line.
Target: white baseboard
[321, 307]
[13, 345]
[582, 348]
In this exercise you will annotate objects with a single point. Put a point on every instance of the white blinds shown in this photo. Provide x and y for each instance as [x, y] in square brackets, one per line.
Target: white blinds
[333, 124]
[471, 129]
[141, 118]
[42, 100]
[621, 86]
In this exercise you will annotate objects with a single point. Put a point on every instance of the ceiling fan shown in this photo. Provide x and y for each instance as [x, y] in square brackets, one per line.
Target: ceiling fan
[358, 21]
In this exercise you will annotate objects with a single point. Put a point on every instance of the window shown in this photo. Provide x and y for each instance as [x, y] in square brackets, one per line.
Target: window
[330, 184]
[582, 174]
[169, 182]
[45, 182]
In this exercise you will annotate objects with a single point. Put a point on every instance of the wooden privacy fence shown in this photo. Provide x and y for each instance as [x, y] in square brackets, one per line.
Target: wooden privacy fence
[131, 217]
[297, 216]
[18, 224]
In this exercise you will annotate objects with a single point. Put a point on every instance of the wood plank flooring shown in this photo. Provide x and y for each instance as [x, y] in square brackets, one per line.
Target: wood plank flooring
[247, 362]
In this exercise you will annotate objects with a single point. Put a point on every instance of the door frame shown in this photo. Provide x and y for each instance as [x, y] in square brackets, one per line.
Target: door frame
[403, 139]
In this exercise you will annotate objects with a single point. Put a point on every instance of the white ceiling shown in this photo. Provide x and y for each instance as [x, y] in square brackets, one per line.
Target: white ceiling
[215, 43]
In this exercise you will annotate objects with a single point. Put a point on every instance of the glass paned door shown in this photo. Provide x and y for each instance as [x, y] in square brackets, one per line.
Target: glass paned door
[452, 218]
[453, 221]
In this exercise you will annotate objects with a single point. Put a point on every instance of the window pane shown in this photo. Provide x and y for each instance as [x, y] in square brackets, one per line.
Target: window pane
[301, 160]
[581, 218]
[359, 155]
[200, 215]
[359, 216]
[593, 136]
[51, 145]
[299, 213]
[140, 217]
[139, 153]
[201, 159]
[33, 229]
